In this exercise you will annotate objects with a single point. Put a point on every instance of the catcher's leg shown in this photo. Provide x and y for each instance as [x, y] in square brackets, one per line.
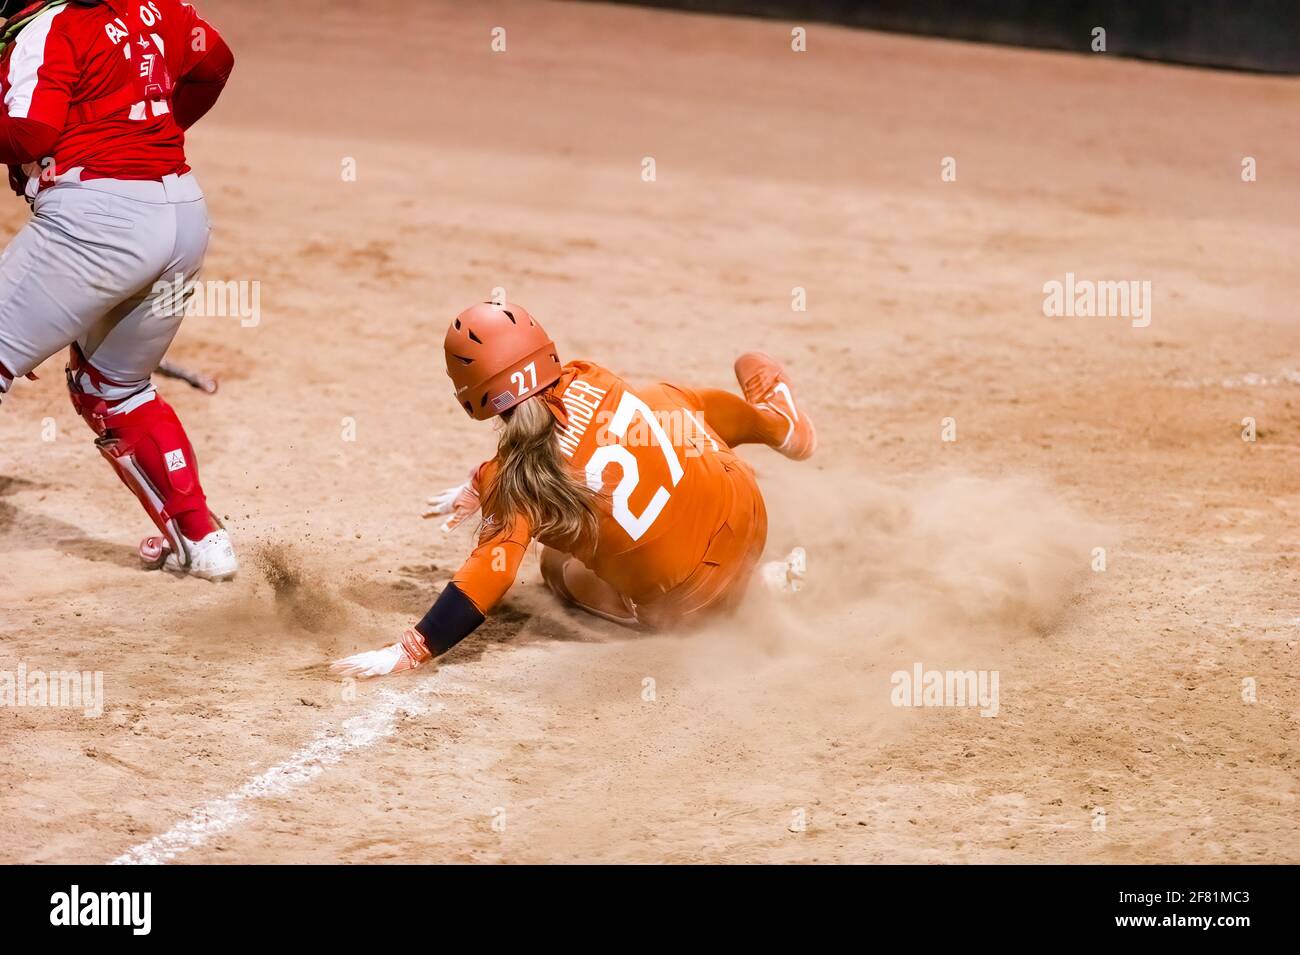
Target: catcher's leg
[83, 254]
[142, 439]
[573, 583]
[46, 301]
[139, 433]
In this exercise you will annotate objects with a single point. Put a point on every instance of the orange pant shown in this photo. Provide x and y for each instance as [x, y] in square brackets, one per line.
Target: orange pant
[718, 584]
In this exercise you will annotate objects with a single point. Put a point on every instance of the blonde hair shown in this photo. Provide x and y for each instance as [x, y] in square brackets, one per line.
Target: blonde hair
[534, 482]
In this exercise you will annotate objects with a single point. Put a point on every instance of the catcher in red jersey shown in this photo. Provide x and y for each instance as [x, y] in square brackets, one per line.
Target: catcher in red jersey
[96, 96]
[646, 515]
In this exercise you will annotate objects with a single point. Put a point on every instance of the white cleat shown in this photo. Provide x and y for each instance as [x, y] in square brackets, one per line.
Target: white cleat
[212, 558]
[787, 576]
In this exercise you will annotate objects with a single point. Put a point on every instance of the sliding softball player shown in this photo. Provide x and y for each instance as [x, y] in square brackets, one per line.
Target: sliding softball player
[97, 95]
[646, 515]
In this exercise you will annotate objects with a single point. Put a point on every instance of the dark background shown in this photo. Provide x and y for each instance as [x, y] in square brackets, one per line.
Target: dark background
[333, 906]
[1240, 34]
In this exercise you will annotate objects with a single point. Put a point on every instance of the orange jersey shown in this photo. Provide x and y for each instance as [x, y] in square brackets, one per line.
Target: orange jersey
[666, 489]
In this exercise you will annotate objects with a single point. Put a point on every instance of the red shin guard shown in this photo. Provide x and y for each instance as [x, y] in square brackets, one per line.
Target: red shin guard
[141, 437]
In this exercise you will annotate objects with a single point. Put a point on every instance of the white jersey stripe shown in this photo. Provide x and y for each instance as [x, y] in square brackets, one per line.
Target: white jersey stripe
[27, 58]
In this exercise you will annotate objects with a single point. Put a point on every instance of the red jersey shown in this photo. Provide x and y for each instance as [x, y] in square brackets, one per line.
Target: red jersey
[102, 76]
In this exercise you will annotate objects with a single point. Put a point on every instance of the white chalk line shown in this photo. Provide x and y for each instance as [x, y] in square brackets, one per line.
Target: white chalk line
[328, 747]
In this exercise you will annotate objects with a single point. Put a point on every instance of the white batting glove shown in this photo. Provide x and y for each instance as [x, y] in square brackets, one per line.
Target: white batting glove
[394, 658]
[459, 502]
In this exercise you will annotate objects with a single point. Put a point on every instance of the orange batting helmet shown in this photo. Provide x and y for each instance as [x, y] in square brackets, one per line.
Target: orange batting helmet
[498, 356]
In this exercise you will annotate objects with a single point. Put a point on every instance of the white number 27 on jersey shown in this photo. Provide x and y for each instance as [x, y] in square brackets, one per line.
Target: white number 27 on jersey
[635, 524]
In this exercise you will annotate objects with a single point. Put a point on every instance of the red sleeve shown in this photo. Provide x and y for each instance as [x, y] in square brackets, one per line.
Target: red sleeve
[207, 66]
[24, 140]
[200, 38]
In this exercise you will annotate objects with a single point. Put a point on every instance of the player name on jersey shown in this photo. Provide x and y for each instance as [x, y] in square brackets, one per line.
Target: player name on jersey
[581, 399]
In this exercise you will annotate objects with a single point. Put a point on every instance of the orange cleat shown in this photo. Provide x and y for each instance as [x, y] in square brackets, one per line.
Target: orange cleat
[766, 386]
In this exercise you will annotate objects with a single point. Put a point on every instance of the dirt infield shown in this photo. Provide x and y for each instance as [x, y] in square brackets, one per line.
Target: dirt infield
[1124, 727]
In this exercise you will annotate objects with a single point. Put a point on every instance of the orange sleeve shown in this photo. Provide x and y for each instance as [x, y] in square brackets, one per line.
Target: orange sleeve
[489, 571]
